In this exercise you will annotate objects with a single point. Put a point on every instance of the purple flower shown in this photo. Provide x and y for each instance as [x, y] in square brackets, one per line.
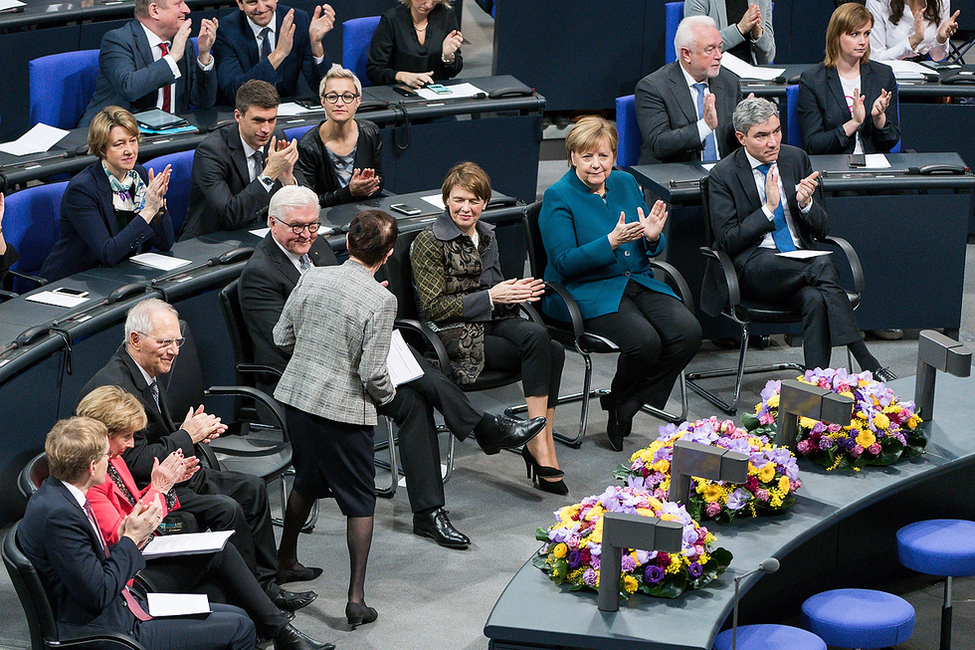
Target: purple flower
[825, 443]
[695, 569]
[628, 564]
[653, 574]
[574, 559]
[738, 499]
[590, 577]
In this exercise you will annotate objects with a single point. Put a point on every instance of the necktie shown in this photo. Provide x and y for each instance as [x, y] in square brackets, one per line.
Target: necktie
[258, 167]
[167, 90]
[262, 48]
[304, 263]
[154, 389]
[94, 522]
[134, 605]
[710, 148]
[781, 236]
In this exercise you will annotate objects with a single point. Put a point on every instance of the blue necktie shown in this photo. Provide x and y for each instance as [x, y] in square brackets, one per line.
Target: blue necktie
[710, 148]
[781, 236]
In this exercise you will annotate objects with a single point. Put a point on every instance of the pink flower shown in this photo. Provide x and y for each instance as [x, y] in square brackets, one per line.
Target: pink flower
[572, 542]
[766, 418]
[804, 446]
[713, 509]
[856, 451]
[874, 449]
[762, 495]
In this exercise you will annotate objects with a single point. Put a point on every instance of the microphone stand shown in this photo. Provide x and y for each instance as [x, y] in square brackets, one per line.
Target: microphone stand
[771, 565]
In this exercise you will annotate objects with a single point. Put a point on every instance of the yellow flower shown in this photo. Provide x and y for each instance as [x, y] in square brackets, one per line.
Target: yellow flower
[595, 511]
[712, 493]
[704, 559]
[560, 550]
[913, 422]
[655, 503]
[767, 473]
[784, 484]
[866, 438]
[847, 393]
[662, 466]
[666, 516]
[773, 401]
[807, 423]
[881, 421]
[629, 584]
[645, 512]
[676, 563]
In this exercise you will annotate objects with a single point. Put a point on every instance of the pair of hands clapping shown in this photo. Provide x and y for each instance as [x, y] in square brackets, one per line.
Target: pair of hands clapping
[878, 111]
[804, 190]
[155, 196]
[945, 32]
[648, 226]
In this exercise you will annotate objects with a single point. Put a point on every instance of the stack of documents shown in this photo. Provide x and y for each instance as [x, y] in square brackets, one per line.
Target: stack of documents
[748, 71]
[910, 71]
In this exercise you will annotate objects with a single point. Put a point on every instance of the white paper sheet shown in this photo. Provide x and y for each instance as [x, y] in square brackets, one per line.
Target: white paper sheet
[186, 544]
[161, 262]
[402, 365]
[38, 140]
[804, 254]
[909, 70]
[436, 200]
[291, 109]
[162, 604]
[458, 91]
[747, 70]
[262, 232]
[56, 299]
[10, 4]
[876, 161]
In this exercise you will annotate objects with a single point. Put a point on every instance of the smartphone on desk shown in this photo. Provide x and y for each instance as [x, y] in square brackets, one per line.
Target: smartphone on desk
[440, 89]
[74, 293]
[402, 208]
[858, 160]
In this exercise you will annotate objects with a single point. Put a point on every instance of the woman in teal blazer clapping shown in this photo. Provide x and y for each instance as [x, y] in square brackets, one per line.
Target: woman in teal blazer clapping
[599, 236]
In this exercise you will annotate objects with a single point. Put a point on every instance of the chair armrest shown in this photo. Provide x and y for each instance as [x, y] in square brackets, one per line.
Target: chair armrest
[113, 638]
[859, 283]
[7, 295]
[36, 279]
[683, 291]
[209, 457]
[728, 268]
[571, 306]
[429, 336]
[258, 396]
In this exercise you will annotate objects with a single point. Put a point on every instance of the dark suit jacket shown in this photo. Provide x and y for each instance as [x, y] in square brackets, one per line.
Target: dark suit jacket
[221, 195]
[823, 110]
[316, 167]
[395, 47]
[84, 587]
[89, 235]
[265, 284]
[667, 114]
[161, 436]
[738, 222]
[128, 77]
[236, 53]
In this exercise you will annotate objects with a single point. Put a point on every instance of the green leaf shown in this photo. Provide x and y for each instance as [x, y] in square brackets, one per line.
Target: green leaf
[749, 421]
[722, 556]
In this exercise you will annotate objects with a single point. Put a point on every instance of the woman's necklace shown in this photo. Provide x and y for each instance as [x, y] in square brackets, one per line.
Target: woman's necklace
[418, 28]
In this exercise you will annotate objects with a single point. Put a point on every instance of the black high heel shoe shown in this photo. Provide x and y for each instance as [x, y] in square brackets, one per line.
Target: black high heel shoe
[359, 614]
[539, 475]
[613, 429]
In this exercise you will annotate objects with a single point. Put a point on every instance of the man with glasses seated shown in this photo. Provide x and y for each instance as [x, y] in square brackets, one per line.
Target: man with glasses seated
[218, 500]
[237, 168]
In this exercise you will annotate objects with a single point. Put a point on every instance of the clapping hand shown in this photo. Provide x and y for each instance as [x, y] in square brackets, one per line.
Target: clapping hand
[625, 232]
[710, 111]
[948, 28]
[205, 39]
[915, 39]
[155, 196]
[202, 427]
[321, 23]
[281, 158]
[751, 21]
[879, 110]
[806, 188]
[179, 41]
[772, 188]
[285, 40]
[515, 292]
[140, 523]
[364, 182]
[653, 224]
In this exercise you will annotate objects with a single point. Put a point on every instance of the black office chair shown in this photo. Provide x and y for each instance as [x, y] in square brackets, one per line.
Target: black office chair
[744, 312]
[33, 475]
[40, 617]
[573, 335]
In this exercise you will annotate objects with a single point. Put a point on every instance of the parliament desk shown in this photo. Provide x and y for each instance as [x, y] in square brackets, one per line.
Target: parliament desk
[42, 372]
[43, 27]
[898, 222]
[421, 139]
[840, 532]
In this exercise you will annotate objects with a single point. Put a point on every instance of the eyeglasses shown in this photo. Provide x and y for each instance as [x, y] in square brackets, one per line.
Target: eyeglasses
[298, 228]
[347, 98]
[165, 343]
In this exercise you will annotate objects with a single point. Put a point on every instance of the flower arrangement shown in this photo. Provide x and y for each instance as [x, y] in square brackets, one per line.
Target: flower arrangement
[773, 475]
[572, 547]
[883, 430]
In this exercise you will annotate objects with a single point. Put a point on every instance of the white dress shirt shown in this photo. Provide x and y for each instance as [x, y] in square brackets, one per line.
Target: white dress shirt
[154, 42]
[271, 36]
[768, 241]
[703, 130]
[889, 42]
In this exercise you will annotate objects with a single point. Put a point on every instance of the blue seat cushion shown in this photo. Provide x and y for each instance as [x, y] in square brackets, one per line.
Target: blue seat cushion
[770, 637]
[858, 618]
[938, 547]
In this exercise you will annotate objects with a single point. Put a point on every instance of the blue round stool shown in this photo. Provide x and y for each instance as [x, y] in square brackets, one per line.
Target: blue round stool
[770, 637]
[939, 547]
[858, 618]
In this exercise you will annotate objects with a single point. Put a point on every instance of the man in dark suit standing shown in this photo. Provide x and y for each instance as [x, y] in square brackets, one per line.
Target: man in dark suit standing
[237, 168]
[219, 500]
[265, 284]
[84, 578]
[684, 108]
[273, 43]
[763, 202]
[152, 63]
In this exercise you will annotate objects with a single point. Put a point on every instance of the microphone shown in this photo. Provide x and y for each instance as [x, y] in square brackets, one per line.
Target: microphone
[769, 565]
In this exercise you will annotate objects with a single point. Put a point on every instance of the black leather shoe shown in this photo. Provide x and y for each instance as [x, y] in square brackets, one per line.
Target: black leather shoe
[291, 601]
[613, 432]
[359, 614]
[884, 374]
[496, 432]
[301, 573]
[436, 526]
[291, 639]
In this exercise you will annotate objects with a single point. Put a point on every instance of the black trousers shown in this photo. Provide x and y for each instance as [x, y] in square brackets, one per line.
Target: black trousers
[516, 344]
[224, 578]
[226, 628]
[412, 411]
[657, 336]
[238, 502]
[812, 286]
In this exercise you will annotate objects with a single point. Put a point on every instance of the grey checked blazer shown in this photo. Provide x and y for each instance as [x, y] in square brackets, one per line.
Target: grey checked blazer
[337, 322]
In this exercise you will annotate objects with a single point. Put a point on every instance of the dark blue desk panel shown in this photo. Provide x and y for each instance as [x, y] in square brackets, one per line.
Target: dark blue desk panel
[533, 613]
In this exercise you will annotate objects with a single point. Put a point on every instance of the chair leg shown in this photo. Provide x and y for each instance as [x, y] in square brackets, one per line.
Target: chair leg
[312, 519]
[946, 617]
[665, 415]
[449, 467]
[392, 466]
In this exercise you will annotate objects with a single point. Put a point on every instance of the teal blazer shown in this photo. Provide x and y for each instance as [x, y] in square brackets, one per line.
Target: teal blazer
[575, 224]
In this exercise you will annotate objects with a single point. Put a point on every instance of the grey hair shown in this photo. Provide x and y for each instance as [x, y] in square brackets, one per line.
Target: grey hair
[139, 317]
[752, 111]
[291, 197]
[338, 72]
[685, 31]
